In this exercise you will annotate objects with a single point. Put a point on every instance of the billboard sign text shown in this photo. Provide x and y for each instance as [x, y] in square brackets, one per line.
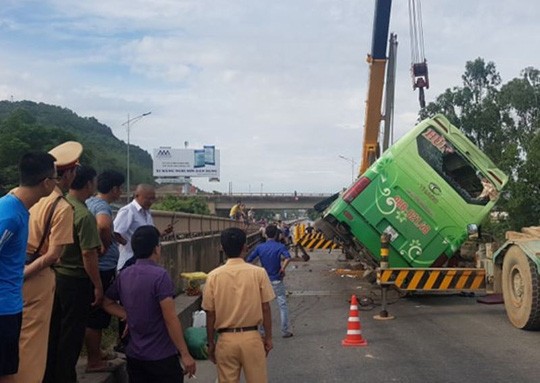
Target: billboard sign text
[169, 162]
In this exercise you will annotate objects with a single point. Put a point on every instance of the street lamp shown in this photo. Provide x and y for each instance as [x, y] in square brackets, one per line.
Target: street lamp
[353, 162]
[128, 124]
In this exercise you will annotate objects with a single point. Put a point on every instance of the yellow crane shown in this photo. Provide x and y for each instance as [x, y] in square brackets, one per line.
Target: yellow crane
[377, 60]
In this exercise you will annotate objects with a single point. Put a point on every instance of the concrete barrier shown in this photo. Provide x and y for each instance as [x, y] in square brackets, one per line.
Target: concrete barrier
[195, 254]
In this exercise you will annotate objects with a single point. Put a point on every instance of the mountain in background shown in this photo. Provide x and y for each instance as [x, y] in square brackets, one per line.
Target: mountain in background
[26, 126]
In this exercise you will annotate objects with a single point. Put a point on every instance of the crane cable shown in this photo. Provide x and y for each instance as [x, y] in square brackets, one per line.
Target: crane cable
[419, 68]
[416, 31]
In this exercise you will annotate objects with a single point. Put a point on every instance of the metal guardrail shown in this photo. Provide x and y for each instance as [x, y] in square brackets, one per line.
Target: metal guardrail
[163, 193]
[187, 225]
[255, 194]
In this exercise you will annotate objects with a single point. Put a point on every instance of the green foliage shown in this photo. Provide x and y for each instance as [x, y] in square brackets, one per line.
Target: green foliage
[194, 205]
[495, 229]
[27, 125]
[267, 214]
[504, 121]
[313, 214]
[523, 202]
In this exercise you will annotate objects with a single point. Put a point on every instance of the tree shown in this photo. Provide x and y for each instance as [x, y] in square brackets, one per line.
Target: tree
[26, 125]
[20, 133]
[520, 101]
[523, 203]
[194, 205]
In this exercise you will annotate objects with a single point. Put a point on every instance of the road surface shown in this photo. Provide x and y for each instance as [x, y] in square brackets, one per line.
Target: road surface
[444, 338]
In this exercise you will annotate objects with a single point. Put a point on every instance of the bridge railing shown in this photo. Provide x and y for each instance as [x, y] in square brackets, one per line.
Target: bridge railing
[186, 225]
[163, 193]
[255, 194]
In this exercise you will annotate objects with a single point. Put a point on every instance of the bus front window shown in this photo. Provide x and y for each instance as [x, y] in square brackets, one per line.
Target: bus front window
[452, 166]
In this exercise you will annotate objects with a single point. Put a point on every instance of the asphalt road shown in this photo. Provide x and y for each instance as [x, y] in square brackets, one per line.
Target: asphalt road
[438, 339]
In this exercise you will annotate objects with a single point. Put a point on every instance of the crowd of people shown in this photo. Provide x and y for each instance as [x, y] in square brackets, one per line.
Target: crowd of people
[67, 265]
[60, 252]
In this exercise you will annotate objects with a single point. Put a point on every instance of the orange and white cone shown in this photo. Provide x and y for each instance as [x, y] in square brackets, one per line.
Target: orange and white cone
[354, 328]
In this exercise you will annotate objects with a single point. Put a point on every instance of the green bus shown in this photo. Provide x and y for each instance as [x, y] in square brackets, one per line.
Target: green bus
[426, 192]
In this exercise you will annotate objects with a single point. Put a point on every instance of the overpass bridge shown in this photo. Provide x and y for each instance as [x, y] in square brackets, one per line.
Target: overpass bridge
[270, 201]
[220, 203]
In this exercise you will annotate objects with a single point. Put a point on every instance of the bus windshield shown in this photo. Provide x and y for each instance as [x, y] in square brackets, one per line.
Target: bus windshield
[451, 165]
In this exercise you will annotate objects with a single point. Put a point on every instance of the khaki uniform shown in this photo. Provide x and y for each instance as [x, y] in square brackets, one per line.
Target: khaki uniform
[236, 292]
[38, 290]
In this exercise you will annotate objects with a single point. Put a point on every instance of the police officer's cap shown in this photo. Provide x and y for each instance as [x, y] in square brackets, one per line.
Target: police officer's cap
[67, 154]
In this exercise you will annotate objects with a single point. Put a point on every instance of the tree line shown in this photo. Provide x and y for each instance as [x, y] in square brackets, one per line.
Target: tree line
[29, 126]
[26, 126]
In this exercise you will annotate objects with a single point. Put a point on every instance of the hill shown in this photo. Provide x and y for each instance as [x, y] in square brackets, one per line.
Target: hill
[26, 125]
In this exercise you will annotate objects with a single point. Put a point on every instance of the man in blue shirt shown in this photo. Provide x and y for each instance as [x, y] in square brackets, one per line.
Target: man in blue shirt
[271, 254]
[109, 186]
[37, 175]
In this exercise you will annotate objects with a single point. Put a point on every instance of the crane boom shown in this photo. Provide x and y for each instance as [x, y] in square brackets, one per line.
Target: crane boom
[377, 66]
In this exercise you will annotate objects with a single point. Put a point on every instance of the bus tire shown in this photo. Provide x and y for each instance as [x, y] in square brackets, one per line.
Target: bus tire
[520, 289]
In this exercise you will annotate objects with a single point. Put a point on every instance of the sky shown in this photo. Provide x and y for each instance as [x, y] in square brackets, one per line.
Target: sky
[278, 86]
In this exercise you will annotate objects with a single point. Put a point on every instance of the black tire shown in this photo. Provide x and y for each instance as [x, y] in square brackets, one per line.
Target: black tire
[520, 289]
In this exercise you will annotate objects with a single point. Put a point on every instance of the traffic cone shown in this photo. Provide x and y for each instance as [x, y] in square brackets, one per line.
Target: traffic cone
[354, 328]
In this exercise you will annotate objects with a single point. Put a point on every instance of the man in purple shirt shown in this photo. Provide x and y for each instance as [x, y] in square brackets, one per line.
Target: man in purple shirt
[146, 292]
[271, 253]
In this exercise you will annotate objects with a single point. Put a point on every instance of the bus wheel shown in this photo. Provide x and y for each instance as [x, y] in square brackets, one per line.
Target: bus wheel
[520, 290]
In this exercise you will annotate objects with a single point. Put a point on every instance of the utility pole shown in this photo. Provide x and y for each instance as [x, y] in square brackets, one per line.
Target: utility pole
[353, 162]
[128, 124]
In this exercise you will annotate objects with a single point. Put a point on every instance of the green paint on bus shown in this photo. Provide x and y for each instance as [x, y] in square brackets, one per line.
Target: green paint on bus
[424, 192]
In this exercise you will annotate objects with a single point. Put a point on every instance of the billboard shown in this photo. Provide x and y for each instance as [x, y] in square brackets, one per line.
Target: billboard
[169, 162]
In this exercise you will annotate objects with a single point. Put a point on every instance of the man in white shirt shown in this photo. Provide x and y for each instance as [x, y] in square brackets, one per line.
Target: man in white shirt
[132, 216]
[128, 219]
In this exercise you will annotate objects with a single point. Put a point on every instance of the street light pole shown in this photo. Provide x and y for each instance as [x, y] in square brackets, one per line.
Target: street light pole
[353, 162]
[128, 124]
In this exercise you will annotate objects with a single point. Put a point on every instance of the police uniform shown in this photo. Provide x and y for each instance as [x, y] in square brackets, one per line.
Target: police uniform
[236, 291]
[38, 289]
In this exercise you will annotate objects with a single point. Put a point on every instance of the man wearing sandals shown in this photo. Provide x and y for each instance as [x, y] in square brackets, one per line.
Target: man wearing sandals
[109, 186]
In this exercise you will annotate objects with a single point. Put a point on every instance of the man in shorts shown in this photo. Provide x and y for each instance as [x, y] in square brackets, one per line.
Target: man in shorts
[109, 186]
